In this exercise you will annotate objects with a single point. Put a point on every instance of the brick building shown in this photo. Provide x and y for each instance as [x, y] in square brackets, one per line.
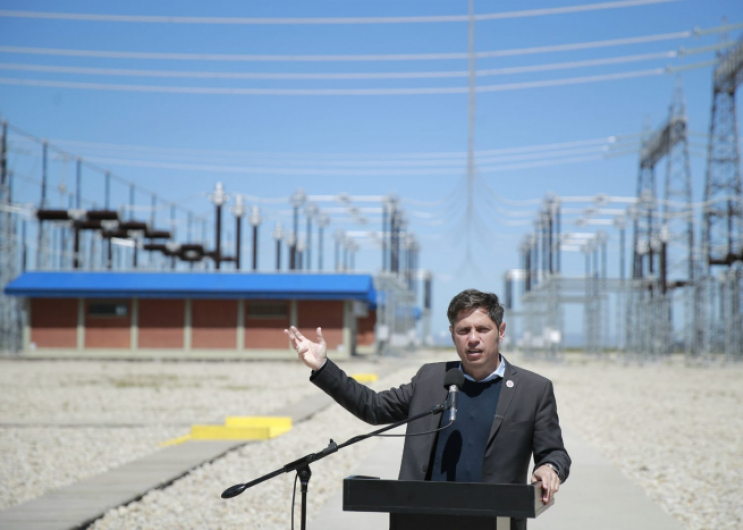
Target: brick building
[185, 314]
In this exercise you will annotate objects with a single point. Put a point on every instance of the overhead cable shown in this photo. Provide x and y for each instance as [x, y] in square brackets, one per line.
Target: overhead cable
[154, 19]
[85, 162]
[486, 165]
[328, 91]
[221, 57]
[140, 150]
[333, 76]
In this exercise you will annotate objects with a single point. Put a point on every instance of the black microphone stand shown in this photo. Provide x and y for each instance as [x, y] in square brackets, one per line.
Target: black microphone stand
[302, 465]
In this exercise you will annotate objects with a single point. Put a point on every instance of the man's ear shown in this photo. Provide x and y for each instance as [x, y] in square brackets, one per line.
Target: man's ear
[451, 331]
[502, 331]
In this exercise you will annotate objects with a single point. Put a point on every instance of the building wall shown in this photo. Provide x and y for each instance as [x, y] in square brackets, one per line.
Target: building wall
[54, 322]
[265, 328]
[161, 323]
[108, 331]
[327, 314]
[365, 329]
[214, 324]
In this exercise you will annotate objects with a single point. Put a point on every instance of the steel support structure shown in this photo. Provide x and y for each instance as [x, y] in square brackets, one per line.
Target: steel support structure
[722, 234]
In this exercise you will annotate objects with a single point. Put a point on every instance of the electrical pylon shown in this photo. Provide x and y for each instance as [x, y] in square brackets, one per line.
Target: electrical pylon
[10, 323]
[677, 234]
[722, 236]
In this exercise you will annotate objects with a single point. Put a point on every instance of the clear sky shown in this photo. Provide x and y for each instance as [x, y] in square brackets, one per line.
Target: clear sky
[126, 113]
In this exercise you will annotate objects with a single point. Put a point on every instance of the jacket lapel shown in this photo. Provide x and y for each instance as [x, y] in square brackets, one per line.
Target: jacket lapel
[504, 400]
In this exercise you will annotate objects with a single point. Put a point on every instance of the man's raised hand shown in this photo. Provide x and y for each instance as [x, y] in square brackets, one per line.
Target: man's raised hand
[313, 354]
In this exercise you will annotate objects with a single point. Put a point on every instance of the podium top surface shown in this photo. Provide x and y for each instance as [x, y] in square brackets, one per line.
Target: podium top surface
[370, 494]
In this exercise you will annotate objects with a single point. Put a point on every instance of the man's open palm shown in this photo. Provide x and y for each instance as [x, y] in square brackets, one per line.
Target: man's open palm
[313, 354]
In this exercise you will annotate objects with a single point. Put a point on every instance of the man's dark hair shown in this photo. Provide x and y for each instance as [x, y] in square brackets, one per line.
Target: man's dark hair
[472, 298]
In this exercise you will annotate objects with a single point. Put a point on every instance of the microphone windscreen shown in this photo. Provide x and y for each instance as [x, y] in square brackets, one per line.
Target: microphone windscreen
[455, 376]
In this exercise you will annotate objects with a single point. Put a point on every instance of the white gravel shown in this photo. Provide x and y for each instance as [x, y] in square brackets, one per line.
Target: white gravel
[267, 505]
[677, 431]
[36, 461]
[62, 421]
[674, 430]
[159, 392]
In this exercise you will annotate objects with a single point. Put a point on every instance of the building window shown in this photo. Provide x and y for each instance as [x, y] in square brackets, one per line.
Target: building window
[268, 310]
[108, 309]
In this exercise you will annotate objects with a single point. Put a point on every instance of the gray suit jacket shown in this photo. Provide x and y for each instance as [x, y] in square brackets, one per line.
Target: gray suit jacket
[525, 420]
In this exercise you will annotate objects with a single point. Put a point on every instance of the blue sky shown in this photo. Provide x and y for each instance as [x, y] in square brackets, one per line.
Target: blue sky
[269, 145]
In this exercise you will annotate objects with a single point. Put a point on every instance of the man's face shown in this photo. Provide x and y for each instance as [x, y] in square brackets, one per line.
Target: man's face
[476, 338]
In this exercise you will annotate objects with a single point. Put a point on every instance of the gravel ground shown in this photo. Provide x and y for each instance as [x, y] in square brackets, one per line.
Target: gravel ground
[36, 461]
[159, 392]
[674, 430]
[64, 421]
[268, 505]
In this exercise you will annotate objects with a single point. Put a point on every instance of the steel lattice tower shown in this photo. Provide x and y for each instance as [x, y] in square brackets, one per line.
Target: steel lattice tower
[644, 247]
[722, 236]
[722, 240]
[645, 222]
[677, 234]
[10, 324]
[670, 236]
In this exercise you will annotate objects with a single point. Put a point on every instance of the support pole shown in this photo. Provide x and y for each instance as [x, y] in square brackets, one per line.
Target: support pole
[255, 221]
[278, 234]
[322, 221]
[131, 201]
[108, 190]
[78, 182]
[218, 238]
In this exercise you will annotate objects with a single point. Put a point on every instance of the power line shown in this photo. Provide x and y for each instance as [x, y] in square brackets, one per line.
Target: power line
[534, 161]
[220, 57]
[153, 19]
[85, 162]
[334, 76]
[396, 165]
[341, 157]
[111, 87]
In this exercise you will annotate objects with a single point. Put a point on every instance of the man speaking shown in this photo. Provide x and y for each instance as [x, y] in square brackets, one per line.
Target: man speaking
[505, 414]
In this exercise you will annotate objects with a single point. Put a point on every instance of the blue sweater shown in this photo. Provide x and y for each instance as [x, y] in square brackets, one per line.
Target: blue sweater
[460, 448]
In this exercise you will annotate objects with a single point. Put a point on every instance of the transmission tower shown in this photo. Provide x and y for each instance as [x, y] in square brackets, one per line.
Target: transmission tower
[645, 229]
[670, 237]
[677, 233]
[722, 237]
[645, 246]
[10, 323]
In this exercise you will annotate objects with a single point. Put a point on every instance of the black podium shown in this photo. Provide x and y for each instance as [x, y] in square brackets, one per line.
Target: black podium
[417, 505]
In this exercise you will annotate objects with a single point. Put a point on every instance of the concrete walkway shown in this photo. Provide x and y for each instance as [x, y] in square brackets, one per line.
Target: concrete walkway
[596, 496]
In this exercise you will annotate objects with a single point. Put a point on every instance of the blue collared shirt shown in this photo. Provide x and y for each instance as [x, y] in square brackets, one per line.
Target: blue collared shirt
[500, 372]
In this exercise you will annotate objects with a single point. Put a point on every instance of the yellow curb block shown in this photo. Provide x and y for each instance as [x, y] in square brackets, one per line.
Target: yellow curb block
[274, 422]
[220, 432]
[243, 428]
[365, 378]
[238, 428]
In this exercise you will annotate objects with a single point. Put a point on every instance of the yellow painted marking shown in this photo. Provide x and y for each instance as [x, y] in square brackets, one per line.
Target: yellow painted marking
[365, 378]
[176, 441]
[238, 428]
[281, 422]
[220, 432]
[244, 428]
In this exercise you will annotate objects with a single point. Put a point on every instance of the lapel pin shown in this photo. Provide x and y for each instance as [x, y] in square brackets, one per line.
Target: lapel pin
[509, 383]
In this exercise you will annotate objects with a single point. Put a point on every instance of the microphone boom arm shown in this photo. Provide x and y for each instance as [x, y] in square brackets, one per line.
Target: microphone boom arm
[305, 461]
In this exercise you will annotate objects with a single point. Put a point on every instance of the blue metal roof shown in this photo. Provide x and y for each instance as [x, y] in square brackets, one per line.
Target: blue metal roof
[213, 285]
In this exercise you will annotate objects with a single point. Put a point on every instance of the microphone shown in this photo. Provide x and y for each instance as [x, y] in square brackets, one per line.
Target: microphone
[453, 379]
